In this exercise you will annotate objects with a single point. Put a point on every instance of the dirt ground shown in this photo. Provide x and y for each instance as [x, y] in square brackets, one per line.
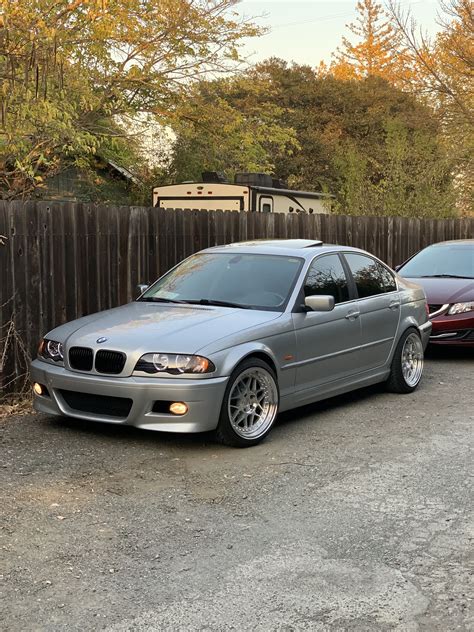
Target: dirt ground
[355, 514]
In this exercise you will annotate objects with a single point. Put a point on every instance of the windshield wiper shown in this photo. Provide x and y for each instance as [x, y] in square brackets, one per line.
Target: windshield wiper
[446, 276]
[201, 301]
[207, 301]
[158, 299]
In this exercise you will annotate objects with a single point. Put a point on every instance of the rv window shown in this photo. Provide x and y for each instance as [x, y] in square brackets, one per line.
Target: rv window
[266, 208]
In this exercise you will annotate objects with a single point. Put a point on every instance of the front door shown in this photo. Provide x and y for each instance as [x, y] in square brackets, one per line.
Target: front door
[327, 342]
[379, 304]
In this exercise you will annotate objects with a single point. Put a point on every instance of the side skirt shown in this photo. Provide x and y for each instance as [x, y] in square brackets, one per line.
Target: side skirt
[308, 396]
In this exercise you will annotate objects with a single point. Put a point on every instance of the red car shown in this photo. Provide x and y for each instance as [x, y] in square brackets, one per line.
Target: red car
[446, 273]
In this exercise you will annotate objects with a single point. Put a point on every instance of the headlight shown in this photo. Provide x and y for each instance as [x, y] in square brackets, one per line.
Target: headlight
[461, 308]
[174, 363]
[51, 350]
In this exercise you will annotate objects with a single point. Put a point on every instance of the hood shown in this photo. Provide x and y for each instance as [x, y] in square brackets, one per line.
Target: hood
[442, 291]
[141, 327]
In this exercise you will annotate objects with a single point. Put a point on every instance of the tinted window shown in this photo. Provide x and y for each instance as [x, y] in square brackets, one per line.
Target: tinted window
[370, 276]
[326, 277]
[258, 281]
[443, 259]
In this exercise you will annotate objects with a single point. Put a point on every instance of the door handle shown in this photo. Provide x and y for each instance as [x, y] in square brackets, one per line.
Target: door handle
[352, 315]
[394, 305]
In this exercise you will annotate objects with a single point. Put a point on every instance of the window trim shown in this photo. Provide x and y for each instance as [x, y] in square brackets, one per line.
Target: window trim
[368, 256]
[351, 281]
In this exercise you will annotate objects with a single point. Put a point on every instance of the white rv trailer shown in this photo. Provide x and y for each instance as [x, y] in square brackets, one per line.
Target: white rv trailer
[257, 193]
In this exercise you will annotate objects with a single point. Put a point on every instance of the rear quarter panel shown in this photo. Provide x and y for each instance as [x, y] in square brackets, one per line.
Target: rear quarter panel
[413, 305]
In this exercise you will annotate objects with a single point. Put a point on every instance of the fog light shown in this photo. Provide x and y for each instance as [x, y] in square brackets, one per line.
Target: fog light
[38, 389]
[178, 408]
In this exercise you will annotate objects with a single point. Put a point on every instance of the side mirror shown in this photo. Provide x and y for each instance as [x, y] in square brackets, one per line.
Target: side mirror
[320, 303]
[142, 287]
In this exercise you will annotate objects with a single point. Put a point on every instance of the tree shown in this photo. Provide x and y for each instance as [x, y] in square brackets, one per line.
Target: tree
[229, 125]
[445, 78]
[446, 64]
[413, 181]
[72, 71]
[372, 145]
[377, 50]
[354, 193]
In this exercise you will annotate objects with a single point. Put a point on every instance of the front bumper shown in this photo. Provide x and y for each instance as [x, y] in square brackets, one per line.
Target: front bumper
[425, 331]
[203, 397]
[456, 329]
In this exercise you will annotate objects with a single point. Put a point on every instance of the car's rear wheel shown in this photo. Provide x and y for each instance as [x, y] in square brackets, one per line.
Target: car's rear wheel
[250, 404]
[407, 364]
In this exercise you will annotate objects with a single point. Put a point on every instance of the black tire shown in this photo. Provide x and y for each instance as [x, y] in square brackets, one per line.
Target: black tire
[397, 381]
[225, 432]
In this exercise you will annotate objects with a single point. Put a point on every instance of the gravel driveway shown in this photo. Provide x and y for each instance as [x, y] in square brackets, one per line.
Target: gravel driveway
[353, 515]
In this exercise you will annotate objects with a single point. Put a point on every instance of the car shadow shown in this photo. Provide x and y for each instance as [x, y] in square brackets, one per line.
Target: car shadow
[137, 436]
[449, 354]
[330, 404]
[142, 438]
[171, 440]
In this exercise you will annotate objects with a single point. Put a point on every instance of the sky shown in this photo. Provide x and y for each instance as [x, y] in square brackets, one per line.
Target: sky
[308, 31]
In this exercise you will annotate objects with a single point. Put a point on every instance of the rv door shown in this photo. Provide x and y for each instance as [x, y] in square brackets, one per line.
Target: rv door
[265, 204]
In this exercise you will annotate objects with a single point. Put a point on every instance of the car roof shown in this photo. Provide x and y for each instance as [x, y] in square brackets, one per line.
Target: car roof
[453, 242]
[305, 248]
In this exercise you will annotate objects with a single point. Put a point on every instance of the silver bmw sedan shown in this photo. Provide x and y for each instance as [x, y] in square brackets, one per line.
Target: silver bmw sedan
[233, 335]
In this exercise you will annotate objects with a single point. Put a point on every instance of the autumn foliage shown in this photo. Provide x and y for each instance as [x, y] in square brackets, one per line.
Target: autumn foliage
[375, 50]
[72, 71]
[387, 126]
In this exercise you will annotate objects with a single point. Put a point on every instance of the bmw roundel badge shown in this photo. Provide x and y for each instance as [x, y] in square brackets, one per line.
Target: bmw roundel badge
[100, 340]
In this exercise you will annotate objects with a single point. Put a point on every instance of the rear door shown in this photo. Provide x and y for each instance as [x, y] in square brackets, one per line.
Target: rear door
[379, 304]
[328, 343]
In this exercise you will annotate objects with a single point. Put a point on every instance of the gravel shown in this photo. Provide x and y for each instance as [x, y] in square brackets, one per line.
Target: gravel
[355, 514]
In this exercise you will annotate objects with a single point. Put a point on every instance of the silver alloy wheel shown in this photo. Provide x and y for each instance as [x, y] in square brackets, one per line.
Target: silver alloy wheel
[412, 359]
[253, 403]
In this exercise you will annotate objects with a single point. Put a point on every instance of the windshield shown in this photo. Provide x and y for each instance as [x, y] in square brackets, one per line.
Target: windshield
[251, 281]
[456, 260]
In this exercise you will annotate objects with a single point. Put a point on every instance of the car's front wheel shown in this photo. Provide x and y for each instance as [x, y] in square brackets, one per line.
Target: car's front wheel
[250, 404]
[407, 363]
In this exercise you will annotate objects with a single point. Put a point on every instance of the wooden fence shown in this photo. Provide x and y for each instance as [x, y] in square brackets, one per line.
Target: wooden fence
[64, 260]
